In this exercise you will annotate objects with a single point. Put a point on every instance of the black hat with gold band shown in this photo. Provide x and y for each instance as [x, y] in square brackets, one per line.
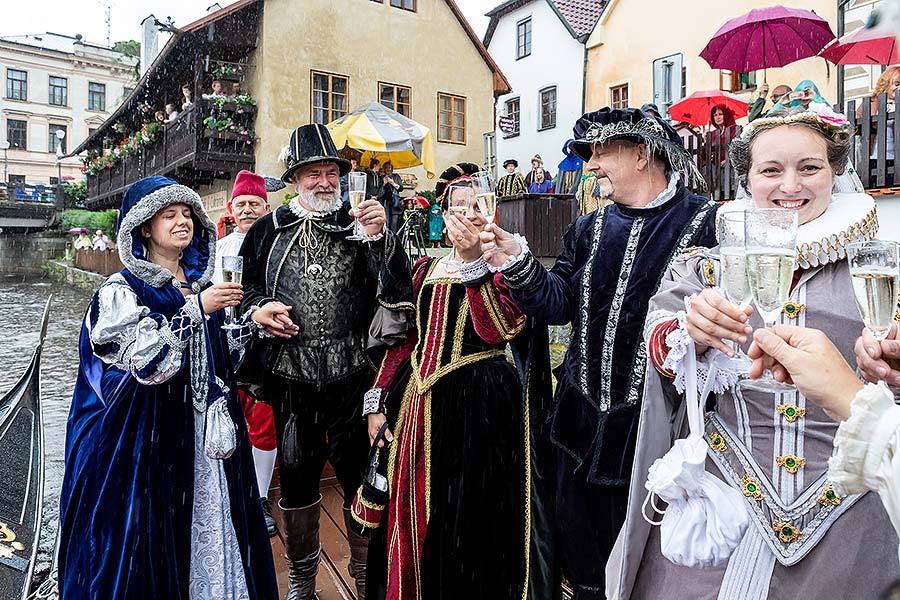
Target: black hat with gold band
[310, 144]
[453, 173]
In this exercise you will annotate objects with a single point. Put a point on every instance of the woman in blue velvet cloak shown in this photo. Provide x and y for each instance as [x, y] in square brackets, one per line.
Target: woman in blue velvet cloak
[145, 511]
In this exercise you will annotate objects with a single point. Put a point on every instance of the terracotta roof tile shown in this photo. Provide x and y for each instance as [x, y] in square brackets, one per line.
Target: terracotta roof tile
[581, 15]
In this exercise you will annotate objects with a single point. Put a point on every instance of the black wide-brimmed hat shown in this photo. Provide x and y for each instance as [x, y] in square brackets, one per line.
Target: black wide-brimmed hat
[310, 144]
[601, 126]
[510, 161]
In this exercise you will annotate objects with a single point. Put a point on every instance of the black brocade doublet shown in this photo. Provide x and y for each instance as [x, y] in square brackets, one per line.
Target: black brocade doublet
[325, 289]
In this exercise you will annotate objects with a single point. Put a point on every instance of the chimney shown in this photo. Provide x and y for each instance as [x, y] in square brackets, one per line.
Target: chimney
[149, 42]
[213, 8]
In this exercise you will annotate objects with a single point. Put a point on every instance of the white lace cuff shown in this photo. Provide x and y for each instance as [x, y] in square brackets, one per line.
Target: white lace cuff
[862, 441]
[372, 402]
[523, 244]
[371, 238]
[475, 271]
[726, 376]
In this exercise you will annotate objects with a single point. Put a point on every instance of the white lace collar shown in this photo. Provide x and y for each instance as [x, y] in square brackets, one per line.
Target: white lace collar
[848, 218]
[667, 194]
[303, 213]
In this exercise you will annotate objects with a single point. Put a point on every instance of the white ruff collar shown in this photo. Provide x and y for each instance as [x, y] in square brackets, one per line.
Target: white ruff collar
[848, 218]
[303, 213]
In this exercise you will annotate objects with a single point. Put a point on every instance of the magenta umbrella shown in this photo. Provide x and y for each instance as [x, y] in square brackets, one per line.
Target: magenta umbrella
[767, 38]
[873, 46]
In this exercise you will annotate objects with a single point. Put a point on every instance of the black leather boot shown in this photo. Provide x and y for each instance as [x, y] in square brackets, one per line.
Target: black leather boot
[359, 552]
[302, 549]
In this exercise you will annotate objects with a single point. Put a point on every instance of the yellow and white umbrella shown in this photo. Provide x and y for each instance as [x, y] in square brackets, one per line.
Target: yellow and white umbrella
[379, 132]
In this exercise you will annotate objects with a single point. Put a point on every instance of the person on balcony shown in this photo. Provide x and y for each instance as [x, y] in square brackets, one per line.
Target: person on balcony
[249, 201]
[540, 185]
[887, 84]
[171, 113]
[329, 300]
[512, 183]
[537, 164]
[807, 96]
[780, 98]
[186, 92]
[611, 265]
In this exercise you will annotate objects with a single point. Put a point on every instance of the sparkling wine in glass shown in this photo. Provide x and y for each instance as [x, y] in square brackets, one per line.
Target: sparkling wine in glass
[770, 241]
[874, 272]
[733, 259]
[733, 270]
[459, 199]
[357, 191]
[232, 272]
[485, 194]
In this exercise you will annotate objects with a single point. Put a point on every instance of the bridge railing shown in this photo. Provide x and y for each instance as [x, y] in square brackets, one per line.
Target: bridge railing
[27, 192]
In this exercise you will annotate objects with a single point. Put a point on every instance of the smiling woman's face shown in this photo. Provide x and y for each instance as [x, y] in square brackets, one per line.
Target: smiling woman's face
[170, 230]
[789, 169]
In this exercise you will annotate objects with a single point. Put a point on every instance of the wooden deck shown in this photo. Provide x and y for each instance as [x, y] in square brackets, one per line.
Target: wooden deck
[333, 581]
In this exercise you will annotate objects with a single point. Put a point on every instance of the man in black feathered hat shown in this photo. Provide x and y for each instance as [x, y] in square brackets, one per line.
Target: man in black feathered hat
[328, 299]
[612, 264]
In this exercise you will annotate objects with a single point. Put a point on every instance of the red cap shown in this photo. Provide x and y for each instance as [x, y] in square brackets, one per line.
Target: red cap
[249, 184]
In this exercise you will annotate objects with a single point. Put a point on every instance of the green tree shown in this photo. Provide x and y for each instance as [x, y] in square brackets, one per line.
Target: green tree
[131, 49]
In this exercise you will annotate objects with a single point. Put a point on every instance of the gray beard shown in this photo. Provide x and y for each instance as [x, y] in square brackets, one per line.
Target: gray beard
[320, 203]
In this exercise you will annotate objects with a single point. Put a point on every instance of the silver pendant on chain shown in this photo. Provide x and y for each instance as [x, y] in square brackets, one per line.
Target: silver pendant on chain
[314, 270]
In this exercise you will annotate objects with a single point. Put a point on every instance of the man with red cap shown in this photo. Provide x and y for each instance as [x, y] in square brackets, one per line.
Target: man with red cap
[248, 203]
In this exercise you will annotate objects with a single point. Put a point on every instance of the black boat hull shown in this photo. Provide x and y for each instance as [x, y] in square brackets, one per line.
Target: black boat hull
[21, 477]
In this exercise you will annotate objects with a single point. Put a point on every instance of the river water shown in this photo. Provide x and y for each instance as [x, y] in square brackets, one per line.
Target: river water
[22, 302]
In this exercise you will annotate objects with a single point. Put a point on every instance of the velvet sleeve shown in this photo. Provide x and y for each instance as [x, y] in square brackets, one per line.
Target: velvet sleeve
[255, 250]
[394, 355]
[496, 317]
[130, 336]
[545, 295]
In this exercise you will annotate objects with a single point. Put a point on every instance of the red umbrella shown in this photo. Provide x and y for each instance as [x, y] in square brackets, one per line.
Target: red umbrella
[767, 37]
[696, 108]
[874, 46]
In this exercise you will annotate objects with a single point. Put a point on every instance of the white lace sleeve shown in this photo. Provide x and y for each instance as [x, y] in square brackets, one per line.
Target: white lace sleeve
[725, 375]
[868, 449]
[128, 335]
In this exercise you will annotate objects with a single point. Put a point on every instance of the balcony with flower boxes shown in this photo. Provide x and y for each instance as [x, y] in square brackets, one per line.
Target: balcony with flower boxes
[211, 138]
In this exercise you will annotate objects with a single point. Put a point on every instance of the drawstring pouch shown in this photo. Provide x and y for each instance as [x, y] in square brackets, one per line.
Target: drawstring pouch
[705, 519]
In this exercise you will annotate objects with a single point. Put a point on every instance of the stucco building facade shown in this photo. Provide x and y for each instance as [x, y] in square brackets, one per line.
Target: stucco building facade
[55, 83]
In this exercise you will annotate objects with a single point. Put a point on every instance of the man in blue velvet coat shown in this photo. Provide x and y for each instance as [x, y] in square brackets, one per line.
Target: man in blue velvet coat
[610, 267]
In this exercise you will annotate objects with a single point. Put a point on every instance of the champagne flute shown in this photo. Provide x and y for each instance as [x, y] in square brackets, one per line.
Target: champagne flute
[732, 254]
[771, 250]
[485, 195]
[874, 272]
[357, 185]
[459, 197]
[232, 272]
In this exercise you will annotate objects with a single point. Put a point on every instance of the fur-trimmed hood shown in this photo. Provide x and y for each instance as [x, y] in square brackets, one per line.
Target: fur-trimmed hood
[142, 200]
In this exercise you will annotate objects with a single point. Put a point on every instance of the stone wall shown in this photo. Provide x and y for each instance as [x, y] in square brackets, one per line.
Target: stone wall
[62, 272]
[26, 253]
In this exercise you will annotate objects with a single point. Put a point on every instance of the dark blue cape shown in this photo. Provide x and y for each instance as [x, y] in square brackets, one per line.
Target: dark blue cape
[127, 494]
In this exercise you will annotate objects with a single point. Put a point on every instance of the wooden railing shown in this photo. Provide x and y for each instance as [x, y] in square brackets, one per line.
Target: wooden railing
[185, 141]
[104, 262]
[541, 218]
